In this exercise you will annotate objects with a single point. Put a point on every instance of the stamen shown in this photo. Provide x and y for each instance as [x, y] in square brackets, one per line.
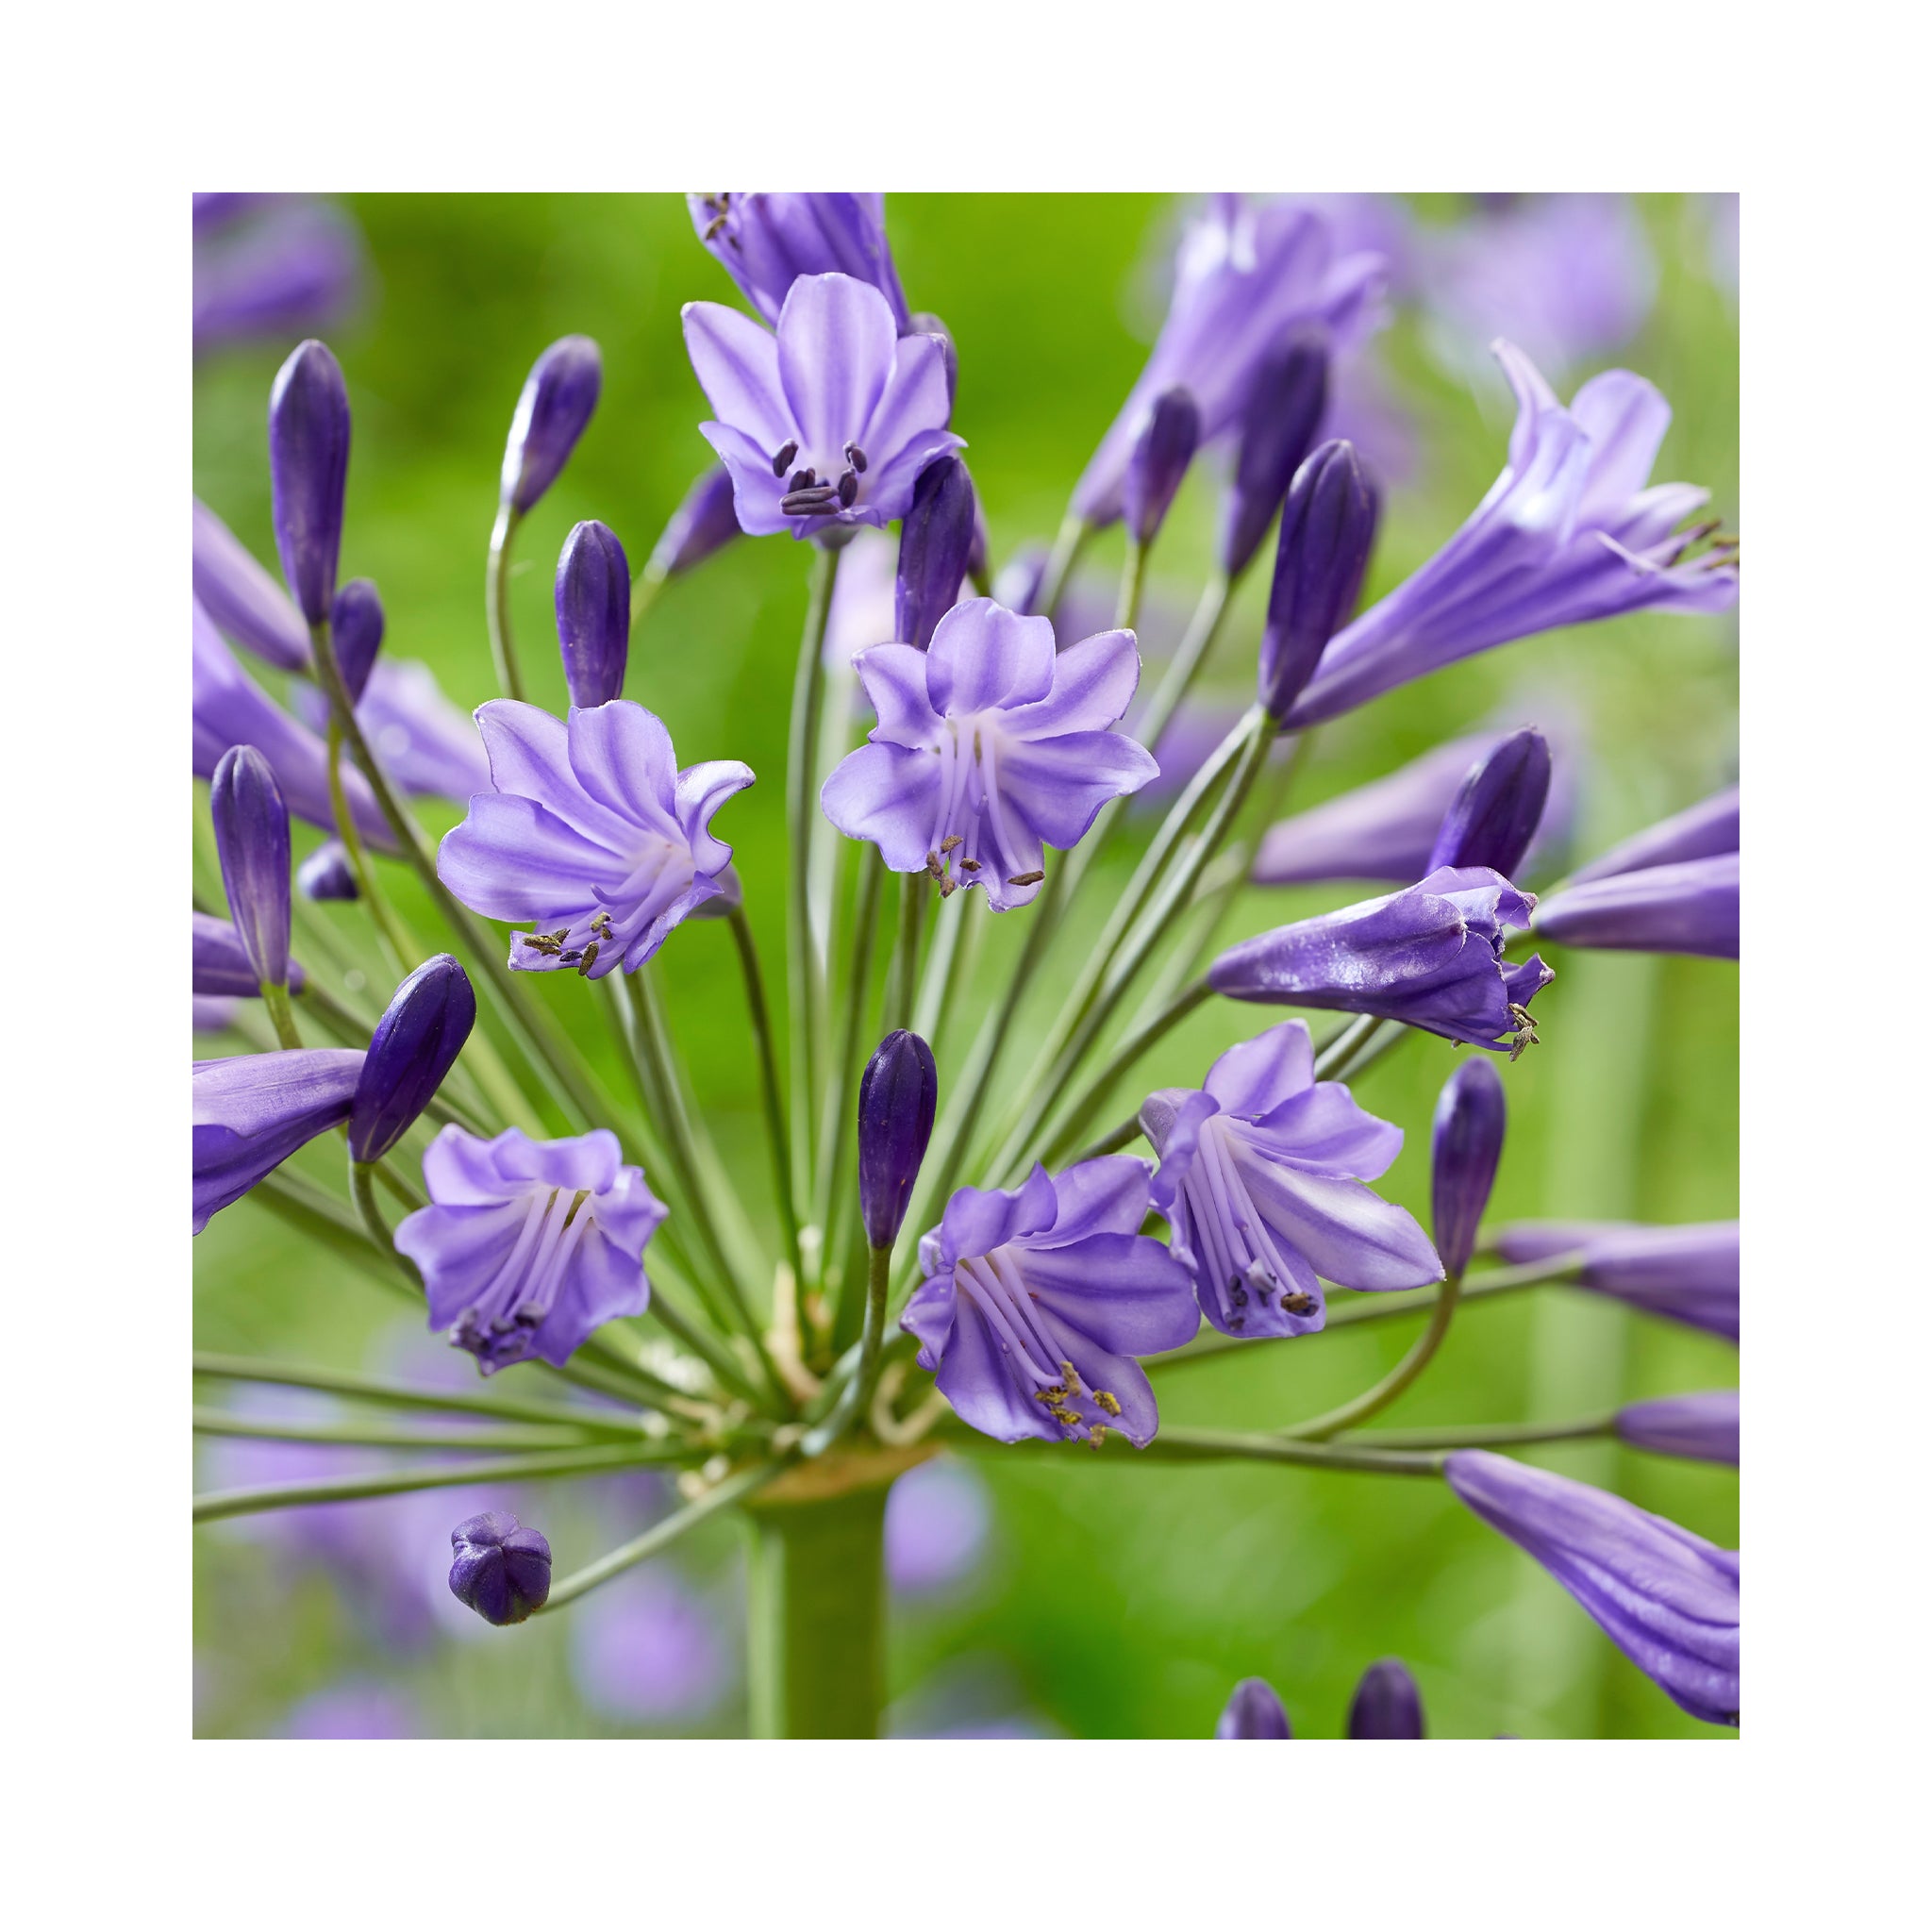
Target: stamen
[848, 487]
[590, 959]
[813, 502]
[856, 456]
[1026, 879]
[803, 479]
[782, 462]
[949, 841]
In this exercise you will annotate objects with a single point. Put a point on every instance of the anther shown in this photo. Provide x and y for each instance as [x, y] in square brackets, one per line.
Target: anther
[1298, 1303]
[569, 959]
[803, 479]
[848, 487]
[969, 865]
[782, 462]
[1026, 879]
[590, 959]
[950, 841]
[856, 456]
[933, 865]
[815, 502]
[1109, 1402]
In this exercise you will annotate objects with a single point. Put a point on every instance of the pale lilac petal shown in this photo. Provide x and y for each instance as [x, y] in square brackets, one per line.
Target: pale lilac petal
[1093, 683]
[1327, 1128]
[620, 754]
[529, 758]
[756, 492]
[1624, 418]
[1126, 1292]
[978, 1220]
[890, 795]
[928, 1318]
[1060, 784]
[602, 1284]
[893, 676]
[973, 1378]
[1348, 1233]
[701, 789]
[1107, 1195]
[1707, 829]
[982, 656]
[736, 360]
[835, 352]
[1257, 1076]
[513, 860]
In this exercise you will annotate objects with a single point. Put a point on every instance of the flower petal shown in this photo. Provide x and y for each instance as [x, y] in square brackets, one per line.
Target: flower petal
[836, 341]
[974, 1377]
[894, 680]
[736, 361]
[756, 492]
[620, 754]
[1107, 1195]
[890, 795]
[1348, 1233]
[701, 789]
[1058, 784]
[511, 859]
[1257, 1076]
[1624, 418]
[1124, 1292]
[982, 655]
[1093, 683]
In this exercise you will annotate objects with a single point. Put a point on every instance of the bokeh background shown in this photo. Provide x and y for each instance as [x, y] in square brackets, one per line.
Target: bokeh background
[1032, 1594]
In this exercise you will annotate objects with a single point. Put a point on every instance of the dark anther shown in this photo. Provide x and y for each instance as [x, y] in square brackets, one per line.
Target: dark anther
[782, 462]
[949, 841]
[933, 865]
[969, 865]
[856, 456]
[809, 502]
[590, 959]
[1025, 878]
[848, 487]
[803, 479]
[570, 958]
[1239, 1296]
[712, 229]
[1237, 1321]
[1298, 1303]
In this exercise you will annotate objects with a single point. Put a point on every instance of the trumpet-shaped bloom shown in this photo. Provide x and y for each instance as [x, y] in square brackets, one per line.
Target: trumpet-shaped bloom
[253, 1111]
[1247, 279]
[766, 241]
[1567, 534]
[527, 1246]
[1036, 1300]
[591, 831]
[988, 747]
[1431, 956]
[1667, 1599]
[1262, 1180]
[1686, 1273]
[827, 423]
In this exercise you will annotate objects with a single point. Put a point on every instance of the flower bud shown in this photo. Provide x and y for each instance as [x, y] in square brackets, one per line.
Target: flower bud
[1253, 1711]
[560, 394]
[1278, 425]
[502, 1572]
[415, 1045]
[1160, 457]
[935, 546]
[1328, 529]
[898, 1094]
[704, 523]
[326, 874]
[252, 838]
[1387, 1703]
[927, 323]
[1493, 817]
[355, 624]
[1463, 1151]
[1704, 1426]
[246, 604]
[594, 615]
[308, 472]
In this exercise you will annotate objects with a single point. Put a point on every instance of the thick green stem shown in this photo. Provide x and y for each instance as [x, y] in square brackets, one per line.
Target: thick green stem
[496, 602]
[773, 1098]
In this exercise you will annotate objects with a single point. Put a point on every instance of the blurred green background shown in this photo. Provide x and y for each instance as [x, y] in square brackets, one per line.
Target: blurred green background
[1104, 1600]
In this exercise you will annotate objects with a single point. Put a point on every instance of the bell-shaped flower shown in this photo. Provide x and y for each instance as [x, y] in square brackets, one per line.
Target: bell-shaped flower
[1702, 1426]
[1431, 956]
[1688, 1273]
[766, 241]
[528, 1247]
[1387, 1703]
[1247, 279]
[990, 746]
[591, 831]
[1253, 1711]
[253, 1111]
[1036, 1301]
[827, 423]
[1568, 533]
[1262, 1180]
[1667, 1599]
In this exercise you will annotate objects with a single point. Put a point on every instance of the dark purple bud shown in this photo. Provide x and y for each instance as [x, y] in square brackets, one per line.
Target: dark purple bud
[415, 1045]
[705, 521]
[560, 394]
[326, 874]
[1253, 1711]
[356, 630]
[1463, 1151]
[1278, 427]
[252, 838]
[1704, 1426]
[898, 1094]
[925, 323]
[594, 615]
[1328, 529]
[309, 471]
[501, 1571]
[935, 546]
[1160, 457]
[1387, 1703]
[1493, 817]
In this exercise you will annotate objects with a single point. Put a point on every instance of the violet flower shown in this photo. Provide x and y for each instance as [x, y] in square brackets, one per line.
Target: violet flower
[559, 397]
[648, 1646]
[253, 1111]
[1493, 817]
[1253, 1711]
[214, 1013]
[593, 613]
[898, 1094]
[766, 241]
[1567, 534]
[1691, 907]
[827, 423]
[935, 546]
[1247, 279]
[251, 824]
[700, 526]
[1035, 1302]
[243, 601]
[1262, 1180]
[988, 747]
[939, 1518]
[1704, 1426]
[1667, 1599]
[309, 471]
[1464, 1151]
[528, 1247]
[354, 1709]
[271, 266]
[1158, 462]
[1278, 427]
[1688, 1272]
[1327, 530]
[1707, 830]
[221, 966]
[355, 626]
[591, 831]
[413, 1047]
[1387, 1704]
[326, 874]
[501, 1571]
[1431, 956]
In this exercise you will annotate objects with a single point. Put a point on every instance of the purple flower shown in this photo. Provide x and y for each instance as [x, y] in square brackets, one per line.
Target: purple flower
[1253, 1711]
[1431, 956]
[1246, 279]
[326, 872]
[1567, 534]
[1327, 530]
[593, 613]
[251, 824]
[356, 626]
[938, 1518]
[989, 746]
[1667, 1599]
[1158, 462]
[828, 423]
[898, 1094]
[1704, 1427]
[647, 1646]
[1261, 1180]
[426, 745]
[701, 525]
[591, 831]
[1466, 1147]
[1278, 427]
[413, 1047]
[1691, 907]
[935, 545]
[354, 1709]
[530, 1245]
[253, 1111]
[1493, 818]
[766, 241]
[1036, 1300]
[1707, 830]
[309, 470]
[559, 397]
[243, 601]
[271, 265]
[1686, 1273]
[221, 965]
[501, 1571]
[1387, 1703]
[214, 1013]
